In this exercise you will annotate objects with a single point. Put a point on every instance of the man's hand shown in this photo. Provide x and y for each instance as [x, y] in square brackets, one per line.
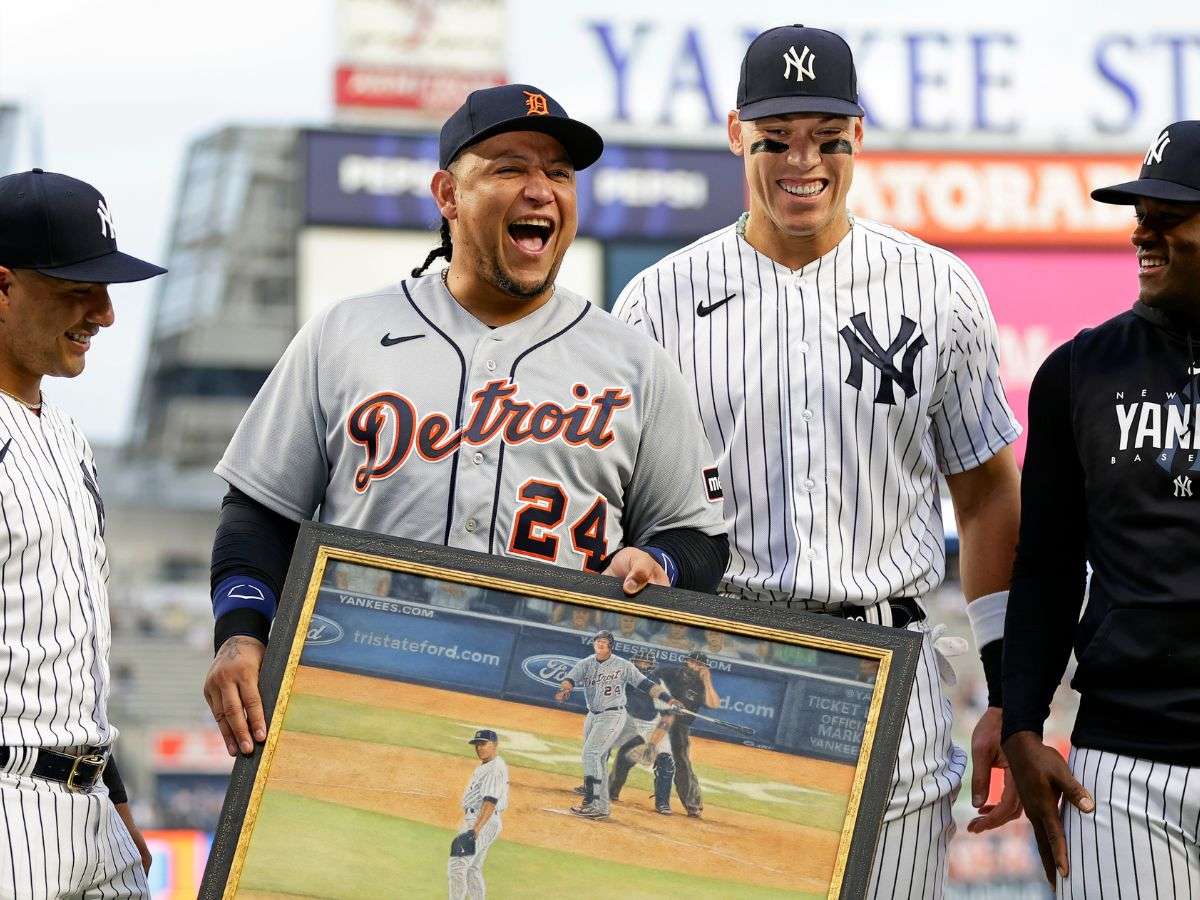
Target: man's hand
[636, 568]
[562, 694]
[1042, 776]
[231, 690]
[985, 756]
[136, 833]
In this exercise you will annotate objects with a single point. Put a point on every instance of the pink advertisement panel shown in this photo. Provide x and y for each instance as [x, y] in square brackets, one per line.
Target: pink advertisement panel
[1043, 298]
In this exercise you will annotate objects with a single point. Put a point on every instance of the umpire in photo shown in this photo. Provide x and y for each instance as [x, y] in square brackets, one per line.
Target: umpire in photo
[691, 684]
[841, 368]
[483, 407]
[66, 815]
[1110, 481]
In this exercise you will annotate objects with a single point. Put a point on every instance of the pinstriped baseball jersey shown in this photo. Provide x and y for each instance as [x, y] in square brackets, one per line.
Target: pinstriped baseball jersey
[560, 437]
[53, 584]
[832, 396]
[490, 779]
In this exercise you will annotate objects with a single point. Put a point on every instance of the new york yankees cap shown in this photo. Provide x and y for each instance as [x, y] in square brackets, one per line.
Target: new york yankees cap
[482, 735]
[793, 69]
[516, 107]
[1170, 169]
[60, 226]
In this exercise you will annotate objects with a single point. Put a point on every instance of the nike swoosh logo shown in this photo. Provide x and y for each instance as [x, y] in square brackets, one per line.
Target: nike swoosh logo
[388, 341]
[4, 450]
[702, 310]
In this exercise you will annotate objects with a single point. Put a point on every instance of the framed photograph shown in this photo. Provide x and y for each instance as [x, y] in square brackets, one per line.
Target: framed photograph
[444, 723]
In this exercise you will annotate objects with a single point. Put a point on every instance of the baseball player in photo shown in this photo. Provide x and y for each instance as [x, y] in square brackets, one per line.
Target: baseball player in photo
[692, 685]
[65, 814]
[603, 677]
[482, 407]
[484, 799]
[1108, 484]
[840, 368]
[644, 739]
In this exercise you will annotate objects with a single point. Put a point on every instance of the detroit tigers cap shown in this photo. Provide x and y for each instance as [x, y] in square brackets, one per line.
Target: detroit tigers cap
[483, 735]
[1170, 169]
[516, 107]
[793, 69]
[60, 226]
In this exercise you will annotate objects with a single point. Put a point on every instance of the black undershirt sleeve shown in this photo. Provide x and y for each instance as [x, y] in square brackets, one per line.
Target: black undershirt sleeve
[255, 541]
[112, 780]
[1050, 568]
[701, 558]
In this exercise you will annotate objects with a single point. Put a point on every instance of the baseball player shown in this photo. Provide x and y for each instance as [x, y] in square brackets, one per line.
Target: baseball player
[644, 739]
[603, 677]
[482, 802]
[481, 407]
[65, 814]
[1108, 482]
[692, 685]
[841, 367]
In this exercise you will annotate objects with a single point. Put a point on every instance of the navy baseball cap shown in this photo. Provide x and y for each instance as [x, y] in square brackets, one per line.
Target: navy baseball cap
[516, 107]
[60, 226]
[482, 735]
[793, 69]
[1170, 169]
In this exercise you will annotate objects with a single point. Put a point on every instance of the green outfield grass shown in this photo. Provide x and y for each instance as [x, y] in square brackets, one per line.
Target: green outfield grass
[338, 718]
[311, 848]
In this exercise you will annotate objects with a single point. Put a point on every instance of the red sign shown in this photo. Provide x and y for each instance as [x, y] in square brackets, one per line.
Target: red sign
[400, 88]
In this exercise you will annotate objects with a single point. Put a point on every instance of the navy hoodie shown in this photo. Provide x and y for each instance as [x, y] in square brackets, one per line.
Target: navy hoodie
[1112, 480]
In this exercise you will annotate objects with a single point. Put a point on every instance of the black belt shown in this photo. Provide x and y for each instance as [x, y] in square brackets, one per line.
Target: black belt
[78, 773]
[905, 611]
[609, 709]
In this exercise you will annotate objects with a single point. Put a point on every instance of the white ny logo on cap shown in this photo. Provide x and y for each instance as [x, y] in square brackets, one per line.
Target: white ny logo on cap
[1155, 153]
[107, 229]
[802, 63]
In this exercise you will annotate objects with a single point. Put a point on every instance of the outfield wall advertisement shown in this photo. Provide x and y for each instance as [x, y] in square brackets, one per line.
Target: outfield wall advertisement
[813, 714]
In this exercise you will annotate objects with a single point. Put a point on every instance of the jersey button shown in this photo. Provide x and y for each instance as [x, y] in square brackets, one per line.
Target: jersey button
[491, 365]
[807, 415]
[809, 484]
[470, 525]
[803, 346]
[810, 553]
[477, 459]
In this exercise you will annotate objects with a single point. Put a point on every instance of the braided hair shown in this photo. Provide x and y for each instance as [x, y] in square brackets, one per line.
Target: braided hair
[446, 249]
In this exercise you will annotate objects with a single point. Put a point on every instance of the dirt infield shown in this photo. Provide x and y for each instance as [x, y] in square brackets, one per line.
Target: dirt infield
[379, 692]
[425, 786]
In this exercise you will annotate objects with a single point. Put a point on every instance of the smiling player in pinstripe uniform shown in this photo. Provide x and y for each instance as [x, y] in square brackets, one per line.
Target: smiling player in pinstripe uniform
[838, 365]
[63, 811]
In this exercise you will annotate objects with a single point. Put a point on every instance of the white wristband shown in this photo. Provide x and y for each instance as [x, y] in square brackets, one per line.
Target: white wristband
[987, 617]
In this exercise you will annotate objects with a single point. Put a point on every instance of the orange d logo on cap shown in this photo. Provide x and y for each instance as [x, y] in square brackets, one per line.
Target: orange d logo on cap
[535, 104]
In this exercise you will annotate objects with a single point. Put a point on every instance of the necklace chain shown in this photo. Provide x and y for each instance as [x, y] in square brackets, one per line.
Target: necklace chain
[32, 407]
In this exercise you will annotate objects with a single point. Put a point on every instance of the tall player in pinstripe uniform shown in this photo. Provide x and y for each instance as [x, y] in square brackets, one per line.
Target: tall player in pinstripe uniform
[63, 812]
[838, 365]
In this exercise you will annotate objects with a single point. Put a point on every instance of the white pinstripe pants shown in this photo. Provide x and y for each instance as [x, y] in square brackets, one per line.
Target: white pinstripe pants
[910, 858]
[64, 845]
[1143, 840]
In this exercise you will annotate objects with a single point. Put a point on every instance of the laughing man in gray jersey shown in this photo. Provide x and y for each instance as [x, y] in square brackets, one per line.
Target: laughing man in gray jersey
[602, 677]
[480, 407]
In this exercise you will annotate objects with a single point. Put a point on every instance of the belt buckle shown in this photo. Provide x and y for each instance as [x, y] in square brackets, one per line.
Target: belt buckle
[92, 759]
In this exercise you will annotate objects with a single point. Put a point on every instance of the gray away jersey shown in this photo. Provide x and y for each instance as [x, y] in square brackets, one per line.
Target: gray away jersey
[603, 683]
[53, 584]
[561, 437]
[490, 779]
[831, 396]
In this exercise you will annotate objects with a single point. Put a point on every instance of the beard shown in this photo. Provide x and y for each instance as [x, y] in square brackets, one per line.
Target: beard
[493, 272]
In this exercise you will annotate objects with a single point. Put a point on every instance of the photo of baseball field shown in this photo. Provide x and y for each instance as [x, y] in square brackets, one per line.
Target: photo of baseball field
[417, 714]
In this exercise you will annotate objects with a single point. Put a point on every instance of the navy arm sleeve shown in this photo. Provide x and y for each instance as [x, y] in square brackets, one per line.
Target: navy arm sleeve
[252, 541]
[701, 557]
[1050, 568]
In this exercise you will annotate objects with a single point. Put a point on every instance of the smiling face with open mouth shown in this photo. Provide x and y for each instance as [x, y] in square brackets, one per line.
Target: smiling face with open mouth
[1167, 238]
[514, 212]
[47, 324]
[799, 167]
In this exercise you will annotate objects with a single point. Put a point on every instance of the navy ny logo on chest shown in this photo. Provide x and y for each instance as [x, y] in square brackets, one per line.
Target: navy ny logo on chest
[863, 345]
